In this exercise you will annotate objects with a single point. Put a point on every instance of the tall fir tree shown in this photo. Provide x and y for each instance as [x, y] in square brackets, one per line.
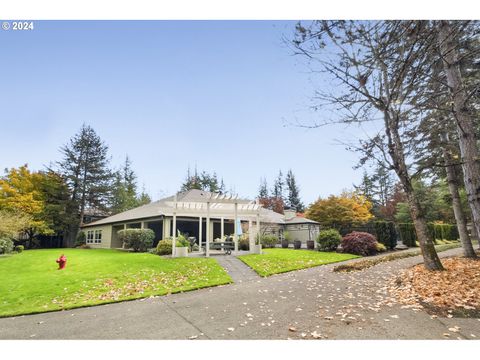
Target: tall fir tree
[85, 169]
[293, 196]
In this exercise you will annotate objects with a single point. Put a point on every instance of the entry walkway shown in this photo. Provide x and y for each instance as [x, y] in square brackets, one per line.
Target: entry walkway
[236, 268]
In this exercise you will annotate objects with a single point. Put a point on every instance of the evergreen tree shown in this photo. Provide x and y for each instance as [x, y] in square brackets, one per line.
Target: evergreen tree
[124, 193]
[293, 193]
[86, 172]
[277, 191]
[204, 181]
[263, 190]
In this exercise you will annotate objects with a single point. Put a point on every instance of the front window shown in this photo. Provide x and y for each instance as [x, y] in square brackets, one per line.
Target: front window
[98, 236]
[90, 236]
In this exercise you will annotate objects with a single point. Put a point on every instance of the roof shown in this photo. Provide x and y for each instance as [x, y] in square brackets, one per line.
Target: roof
[193, 203]
[300, 220]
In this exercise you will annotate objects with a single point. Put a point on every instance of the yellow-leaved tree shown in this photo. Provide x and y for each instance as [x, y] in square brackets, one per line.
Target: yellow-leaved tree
[20, 196]
[347, 208]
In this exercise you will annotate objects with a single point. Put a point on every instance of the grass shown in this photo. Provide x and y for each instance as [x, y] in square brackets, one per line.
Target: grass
[30, 282]
[366, 263]
[276, 261]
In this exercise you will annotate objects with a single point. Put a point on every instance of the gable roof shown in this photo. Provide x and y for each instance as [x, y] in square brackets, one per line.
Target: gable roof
[164, 207]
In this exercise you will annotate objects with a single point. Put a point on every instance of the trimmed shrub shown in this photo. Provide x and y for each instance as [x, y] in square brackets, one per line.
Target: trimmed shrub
[6, 246]
[164, 247]
[19, 248]
[81, 239]
[243, 244]
[407, 234]
[268, 241]
[380, 247]
[385, 233]
[359, 243]
[140, 240]
[328, 240]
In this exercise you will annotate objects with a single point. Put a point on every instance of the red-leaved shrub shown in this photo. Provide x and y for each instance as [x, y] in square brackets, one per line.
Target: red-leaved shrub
[359, 243]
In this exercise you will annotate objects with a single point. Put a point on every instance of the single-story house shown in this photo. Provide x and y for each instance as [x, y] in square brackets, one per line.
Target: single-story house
[203, 215]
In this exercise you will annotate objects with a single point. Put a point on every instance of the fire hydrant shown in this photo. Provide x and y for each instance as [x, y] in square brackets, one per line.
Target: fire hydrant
[62, 262]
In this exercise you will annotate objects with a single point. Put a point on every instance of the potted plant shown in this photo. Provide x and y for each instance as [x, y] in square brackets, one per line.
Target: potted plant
[310, 244]
[182, 246]
[287, 238]
[297, 244]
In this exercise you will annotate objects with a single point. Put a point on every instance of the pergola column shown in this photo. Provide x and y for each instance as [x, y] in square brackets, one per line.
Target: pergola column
[200, 223]
[251, 239]
[258, 227]
[222, 228]
[235, 227]
[174, 237]
[207, 241]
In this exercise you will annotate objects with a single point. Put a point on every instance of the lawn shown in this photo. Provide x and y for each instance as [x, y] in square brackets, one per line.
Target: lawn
[31, 283]
[276, 261]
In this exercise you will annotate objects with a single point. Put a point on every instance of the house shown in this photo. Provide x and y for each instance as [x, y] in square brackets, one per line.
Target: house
[203, 215]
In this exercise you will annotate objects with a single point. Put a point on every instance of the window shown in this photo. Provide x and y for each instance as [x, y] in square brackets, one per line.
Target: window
[94, 236]
[98, 236]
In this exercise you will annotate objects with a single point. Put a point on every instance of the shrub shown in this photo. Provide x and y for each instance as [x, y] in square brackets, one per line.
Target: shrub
[268, 241]
[164, 247]
[140, 240]
[6, 246]
[385, 233]
[407, 234]
[380, 247]
[359, 243]
[328, 240]
[287, 236]
[243, 244]
[81, 239]
[182, 241]
[19, 248]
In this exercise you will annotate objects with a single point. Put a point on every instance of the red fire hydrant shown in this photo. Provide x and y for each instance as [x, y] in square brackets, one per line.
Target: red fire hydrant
[62, 262]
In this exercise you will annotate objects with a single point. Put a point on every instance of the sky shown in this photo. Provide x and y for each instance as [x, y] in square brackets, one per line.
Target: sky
[218, 95]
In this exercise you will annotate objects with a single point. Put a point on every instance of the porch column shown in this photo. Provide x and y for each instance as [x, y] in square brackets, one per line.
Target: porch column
[235, 228]
[200, 233]
[207, 241]
[222, 228]
[258, 227]
[174, 237]
[142, 225]
[251, 239]
[124, 228]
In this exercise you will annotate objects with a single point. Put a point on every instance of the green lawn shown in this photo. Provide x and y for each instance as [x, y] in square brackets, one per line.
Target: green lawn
[31, 283]
[276, 261]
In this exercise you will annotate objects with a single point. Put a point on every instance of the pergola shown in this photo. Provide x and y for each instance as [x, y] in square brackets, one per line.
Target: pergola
[216, 206]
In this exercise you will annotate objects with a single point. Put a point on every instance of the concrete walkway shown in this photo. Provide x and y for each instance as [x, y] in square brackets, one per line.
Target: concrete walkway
[306, 304]
[236, 268]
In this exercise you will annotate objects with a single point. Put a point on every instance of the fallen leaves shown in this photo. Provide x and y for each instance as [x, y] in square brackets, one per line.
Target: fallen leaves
[457, 288]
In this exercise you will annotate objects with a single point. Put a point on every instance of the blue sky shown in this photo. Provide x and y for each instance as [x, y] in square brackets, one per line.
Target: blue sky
[170, 94]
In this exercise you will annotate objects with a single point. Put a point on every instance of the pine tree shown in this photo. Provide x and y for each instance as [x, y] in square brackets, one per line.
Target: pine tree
[277, 191]
[86, 172]
[124, 189]
[293, 193]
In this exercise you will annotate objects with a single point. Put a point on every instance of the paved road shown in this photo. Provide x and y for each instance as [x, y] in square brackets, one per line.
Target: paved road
[292, 305]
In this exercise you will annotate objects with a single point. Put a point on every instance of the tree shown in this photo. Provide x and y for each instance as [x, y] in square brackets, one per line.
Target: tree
[85, 169]
[20, 195]
[347, 208]
[263, 189]
[277, 191]
[124, 190]
[449, 34]
[293, 197]
[13, 223]
[204, 181]
[378, 66]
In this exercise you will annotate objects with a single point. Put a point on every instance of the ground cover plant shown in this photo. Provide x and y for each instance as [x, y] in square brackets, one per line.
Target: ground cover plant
[275, 261]
[31, 282]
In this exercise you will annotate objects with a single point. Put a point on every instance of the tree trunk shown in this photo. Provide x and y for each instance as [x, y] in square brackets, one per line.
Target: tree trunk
[460, 219]
[395, 149]
[464, 121]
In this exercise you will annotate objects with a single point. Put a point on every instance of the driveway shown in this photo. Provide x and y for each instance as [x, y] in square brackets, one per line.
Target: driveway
[308, 304]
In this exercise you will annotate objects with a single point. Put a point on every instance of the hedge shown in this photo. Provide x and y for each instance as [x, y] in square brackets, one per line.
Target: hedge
[384, 231]
[437, 232]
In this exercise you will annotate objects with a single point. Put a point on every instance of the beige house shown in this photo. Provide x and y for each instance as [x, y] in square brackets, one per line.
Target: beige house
[203, 215]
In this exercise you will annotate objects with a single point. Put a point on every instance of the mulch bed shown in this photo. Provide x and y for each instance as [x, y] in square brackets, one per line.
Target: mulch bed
[454, 292]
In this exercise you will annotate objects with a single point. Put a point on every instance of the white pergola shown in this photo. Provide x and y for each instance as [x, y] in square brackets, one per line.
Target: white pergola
[216, 206]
